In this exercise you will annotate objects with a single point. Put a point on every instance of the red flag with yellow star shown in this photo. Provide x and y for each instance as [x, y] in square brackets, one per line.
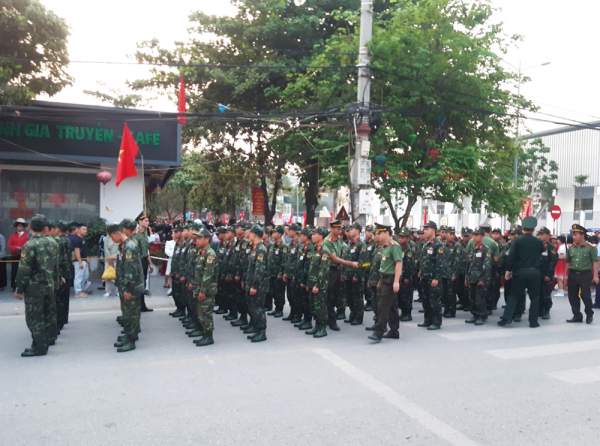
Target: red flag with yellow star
[127, 153]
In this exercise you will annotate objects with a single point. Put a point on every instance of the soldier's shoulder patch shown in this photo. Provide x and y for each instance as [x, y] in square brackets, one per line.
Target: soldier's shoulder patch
[409, 254]
[331, 239]
[441, 250]
[392, 243]
[128, 255]
[23, 254]
[324, 257]
[210, 259]
[261, 257]
[488, 255]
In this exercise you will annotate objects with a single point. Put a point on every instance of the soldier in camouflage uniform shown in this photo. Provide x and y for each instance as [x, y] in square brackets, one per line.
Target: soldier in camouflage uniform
[345, 254]
[302, 278]
[405, 295]
[479, 275]
[449, 269]
[317, 283]
[375, 275]
[227, 280]
[52, 327]
[291, 263]
[419, 282]
[430, 263]
[63, 295]
[141, 237]
[204, 284]
[548, 260]
[370, 244]
[220, 250]
[277, 257]
[461, 289]
[130, 283]
[256, 283]
[188, 269]
[500, 271]
[354, 278]
[180, 244]
[36, 280]
[239, 266]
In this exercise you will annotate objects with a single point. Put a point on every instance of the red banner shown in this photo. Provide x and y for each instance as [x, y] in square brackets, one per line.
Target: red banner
[526, 208]
[258, 201]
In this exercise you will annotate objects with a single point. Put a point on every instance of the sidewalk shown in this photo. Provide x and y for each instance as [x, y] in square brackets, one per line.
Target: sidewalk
[9, 306]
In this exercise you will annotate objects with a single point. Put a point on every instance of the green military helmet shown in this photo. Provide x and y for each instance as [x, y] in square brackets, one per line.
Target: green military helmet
[256, 229]
[279, 229]
[221, 230]
[478, 231]
[307, 232]
[113, 227]
[465, 232]
[202, 232]
[51, 224]
[444, 228]
[404, 232]
[323, 232]
[129, 223]
[544, 230]
[295, 227]
[430, 224]
[529, 223]
[369, 228]
[38, 223]
[451, 229]
[248, 226]
[62, 225]
[497, 230]
[231, 229]
[420, 231]
[355, 225]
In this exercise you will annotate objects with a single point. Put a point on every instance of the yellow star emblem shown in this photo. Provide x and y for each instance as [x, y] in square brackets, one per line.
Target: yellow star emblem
[120, 152]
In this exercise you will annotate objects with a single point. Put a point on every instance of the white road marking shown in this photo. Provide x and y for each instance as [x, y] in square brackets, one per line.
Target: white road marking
[509, 332]
[435, 425]
[546, 350]
[578, 376]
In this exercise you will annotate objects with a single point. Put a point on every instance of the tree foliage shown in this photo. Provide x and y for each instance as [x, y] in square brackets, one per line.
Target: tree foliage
[537, 174]
[33, 51]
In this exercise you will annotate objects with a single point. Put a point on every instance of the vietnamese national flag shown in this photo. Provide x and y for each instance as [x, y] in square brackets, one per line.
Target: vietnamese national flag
[127, 153]
[291, 217]
[304, 219]
[182, 107]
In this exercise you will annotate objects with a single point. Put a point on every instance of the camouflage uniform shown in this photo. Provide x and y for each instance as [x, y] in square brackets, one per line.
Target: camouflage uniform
[354, 280]
[343, 300]
[479, 269]
[239, 267]
[130, 279]
[302, 278]
[228, 281]
[220, 297]
[277, 255]
[334, 300]
[291, 263]
[64, 290]
[36, 280]
[461, 288]
[371, 245]
[548, 260]
[205, 280]
[387, 299]
[257, 277]
[430, 262]
[449, 272]
[178, 291]
[188, 269]
[318, 276]
[405, 295]
[375, 275]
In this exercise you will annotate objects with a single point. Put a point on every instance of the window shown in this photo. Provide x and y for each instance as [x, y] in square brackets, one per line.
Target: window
[584, 198]
[440, 208]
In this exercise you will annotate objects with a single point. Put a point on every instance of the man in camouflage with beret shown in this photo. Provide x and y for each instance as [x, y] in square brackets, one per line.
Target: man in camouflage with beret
[36, 282]
[277, 256]
[291, 262]
[317, 282]
[256, 283]
[130, 283]
[203, 284]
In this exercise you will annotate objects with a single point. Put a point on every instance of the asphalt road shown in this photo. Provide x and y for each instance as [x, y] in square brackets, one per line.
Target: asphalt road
[462, 385]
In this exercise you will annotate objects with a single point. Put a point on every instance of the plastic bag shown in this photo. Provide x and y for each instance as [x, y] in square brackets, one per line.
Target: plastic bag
[109, 273]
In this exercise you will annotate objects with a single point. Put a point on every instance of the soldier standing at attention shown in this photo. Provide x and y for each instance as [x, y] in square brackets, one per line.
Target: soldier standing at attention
[302, 278]
[479, 273]
[277, 256]
[388, 287]
[317, 282]
[523, 266]
[175, 260]
[228, 283]
[450, 268]
[64, 289]
[220, 249]
[431, 262]
[141, 236]
[375, 275]
[288, 276]
[500, 268]
[354, 278]
[548, 261]
[36, 281]
[189, 267]
[334, 246]
[52, 324]
[257, 285]
[239, 264]
[204, 284]
[582, 270]
[461, 289]
[370, 244]
[405, 296]
[130, 283]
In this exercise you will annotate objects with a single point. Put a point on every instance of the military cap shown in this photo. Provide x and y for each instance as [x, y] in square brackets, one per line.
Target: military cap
[38, 222]
[20, 221]
[306, 231]
[321, 231]
[113, 227]
[451, 229]
[478, 231]
[202, 232]
[240, 224]
[498, 230]
[544, 230]
[295, 227]
[516, 231]
[382, 228]
[574, 228]
[257, 230]
[51, 224]
[369, 228]
[355, 225]
[529, 223]
[486, 226]
[335, 224]
[444, 228]
[420, 231]
[177, 229]
[430, 224]
[466, 231]
[231, 229]
[62, 225]
[128, 223]
[248, 226]
[142, 216]
[221, 230]
[404, 232]
[279, 229]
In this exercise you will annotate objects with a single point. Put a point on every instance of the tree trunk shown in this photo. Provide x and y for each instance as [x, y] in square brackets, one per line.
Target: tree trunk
[311, 194]
[184, 208]
[390, 204]
[270, 207]
[409, 205]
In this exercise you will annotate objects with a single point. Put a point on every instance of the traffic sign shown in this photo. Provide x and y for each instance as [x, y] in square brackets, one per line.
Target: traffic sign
[555, 212]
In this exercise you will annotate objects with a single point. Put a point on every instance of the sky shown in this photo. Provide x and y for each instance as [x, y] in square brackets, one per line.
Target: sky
[564, 33]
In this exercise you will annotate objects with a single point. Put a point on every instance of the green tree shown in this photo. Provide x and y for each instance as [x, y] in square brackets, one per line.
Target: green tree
[538, 175]
[116, 97]
[33, 51]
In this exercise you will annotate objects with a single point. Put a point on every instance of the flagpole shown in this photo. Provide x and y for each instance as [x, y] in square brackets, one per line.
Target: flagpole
[143, 182]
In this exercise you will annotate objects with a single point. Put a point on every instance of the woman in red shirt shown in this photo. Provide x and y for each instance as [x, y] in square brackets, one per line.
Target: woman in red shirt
[15, 243]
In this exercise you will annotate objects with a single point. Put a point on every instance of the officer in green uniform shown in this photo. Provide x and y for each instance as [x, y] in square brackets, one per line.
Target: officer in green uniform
[582, 270]
[523, 266]
[449, 272]
[388, 287]
[461, 289]
[405, 295]
[478, 277]
[36, 281]
[301, 277]
[256, 283]
[277, 256]
[370, 244]
[354, 278]
[375, 275]
[334, 245]
[204, 284]
[430, 262]
[317, 282]
[130, 283]
[548, 261]
[220, 251]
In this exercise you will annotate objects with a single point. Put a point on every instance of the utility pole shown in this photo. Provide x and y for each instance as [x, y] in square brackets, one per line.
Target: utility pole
[360, 172]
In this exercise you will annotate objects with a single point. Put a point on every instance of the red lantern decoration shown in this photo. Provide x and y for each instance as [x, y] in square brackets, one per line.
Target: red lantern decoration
[104, 176]
[58, 198]
[434, 154]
